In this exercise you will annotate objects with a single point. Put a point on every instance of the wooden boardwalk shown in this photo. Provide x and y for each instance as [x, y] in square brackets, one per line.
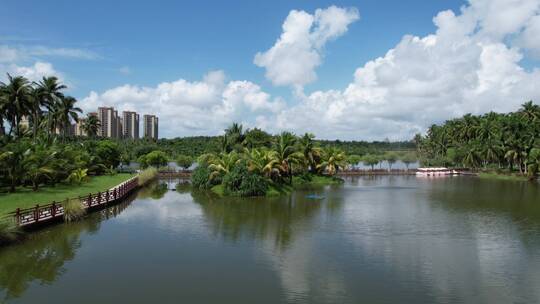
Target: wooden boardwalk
[55, 210]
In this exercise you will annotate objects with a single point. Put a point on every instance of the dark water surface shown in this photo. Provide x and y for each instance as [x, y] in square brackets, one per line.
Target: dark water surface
[372, 240]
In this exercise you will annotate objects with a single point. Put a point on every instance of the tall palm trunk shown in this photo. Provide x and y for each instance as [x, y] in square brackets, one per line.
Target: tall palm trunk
[35, 124]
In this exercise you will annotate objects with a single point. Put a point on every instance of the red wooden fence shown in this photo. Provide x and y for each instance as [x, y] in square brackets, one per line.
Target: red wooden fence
[38, 214]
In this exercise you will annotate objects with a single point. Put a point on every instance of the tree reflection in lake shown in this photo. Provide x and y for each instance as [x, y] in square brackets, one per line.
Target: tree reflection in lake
[155, 190]
[41, 257]
[274, 218]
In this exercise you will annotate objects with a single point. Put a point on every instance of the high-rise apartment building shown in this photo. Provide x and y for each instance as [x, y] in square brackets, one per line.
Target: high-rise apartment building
[108, 118]
[78, 129]
[151, 124]
[119, 129]
[130, 123]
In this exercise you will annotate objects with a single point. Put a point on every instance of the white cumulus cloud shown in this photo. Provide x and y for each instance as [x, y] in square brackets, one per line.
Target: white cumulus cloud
[33, 72]
[191, 107]
[298, 51]
[469, 64]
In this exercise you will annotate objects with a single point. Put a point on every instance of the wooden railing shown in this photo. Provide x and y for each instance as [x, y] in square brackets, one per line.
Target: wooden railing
[377, 172]
[47, 212]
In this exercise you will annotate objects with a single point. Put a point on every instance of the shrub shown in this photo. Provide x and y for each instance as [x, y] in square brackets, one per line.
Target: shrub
[200, 178]
[244, 183]
[302, 178]
[78, 176]
[73, 210]
[147, 175]
[184, 161]
[9, 231]
[143, 164]
[156, 159]
[109, 153]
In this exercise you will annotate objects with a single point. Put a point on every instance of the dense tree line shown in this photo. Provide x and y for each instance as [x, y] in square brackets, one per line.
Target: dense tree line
[41, 151]
[37, 148]
[197, 145]
[492, 140]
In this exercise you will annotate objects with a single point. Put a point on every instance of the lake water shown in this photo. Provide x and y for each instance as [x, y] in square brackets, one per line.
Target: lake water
[385, 239]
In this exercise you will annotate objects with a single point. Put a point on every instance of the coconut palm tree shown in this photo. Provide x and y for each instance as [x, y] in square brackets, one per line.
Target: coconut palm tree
[11, 163]
[91, 125]
[312, 153]
[16, 94]
[65, 112]
[222, 164]
[48, 93]
[286, 153]
[333, 160]
[262, 161]
[235, 137]
[3, 109]
[530, 111]
[37, 165]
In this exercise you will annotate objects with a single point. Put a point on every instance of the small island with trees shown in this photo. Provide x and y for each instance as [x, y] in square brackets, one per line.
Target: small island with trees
[254, 164]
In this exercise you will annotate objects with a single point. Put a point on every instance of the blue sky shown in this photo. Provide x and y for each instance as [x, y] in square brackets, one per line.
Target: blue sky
[111, 44]
[180, 39]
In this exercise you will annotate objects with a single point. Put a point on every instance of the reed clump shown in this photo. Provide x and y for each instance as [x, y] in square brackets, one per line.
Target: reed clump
[73, 210]
[147, 175]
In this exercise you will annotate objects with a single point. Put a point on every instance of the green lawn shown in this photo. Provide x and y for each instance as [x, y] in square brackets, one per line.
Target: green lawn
[25, 197]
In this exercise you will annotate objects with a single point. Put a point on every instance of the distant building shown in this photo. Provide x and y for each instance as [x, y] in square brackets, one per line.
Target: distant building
[151, 124]
[119, 129]
[78, 129]
[108, 118]
[130, 123]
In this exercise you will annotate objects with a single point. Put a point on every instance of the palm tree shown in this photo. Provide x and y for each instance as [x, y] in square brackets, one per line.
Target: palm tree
[37, 165]
[262, 161]
[3, 110]
[235, 137]
[48, 94]
[16, 100]
[91, 125]
[334, 159]
[224, 143]
[312, 154]
[471, 156]
[65, 111]
[530, 111]
[286, 153]
[11, 162]
[222, 164]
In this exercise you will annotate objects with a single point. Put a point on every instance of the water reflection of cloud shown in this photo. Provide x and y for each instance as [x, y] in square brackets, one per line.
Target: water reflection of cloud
[174, 212]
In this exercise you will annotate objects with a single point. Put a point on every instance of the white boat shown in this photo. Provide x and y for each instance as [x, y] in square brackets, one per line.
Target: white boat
[441, 171]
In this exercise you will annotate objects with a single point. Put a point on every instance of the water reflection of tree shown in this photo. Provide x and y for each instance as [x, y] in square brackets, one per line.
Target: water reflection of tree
[259, 218]
[42, 255]
[155, 190]
[183, 187]
[518, 201]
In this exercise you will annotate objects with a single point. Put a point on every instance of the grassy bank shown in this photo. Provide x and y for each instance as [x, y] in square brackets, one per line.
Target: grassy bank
[275, 189]
[25, 197]
[502, 176]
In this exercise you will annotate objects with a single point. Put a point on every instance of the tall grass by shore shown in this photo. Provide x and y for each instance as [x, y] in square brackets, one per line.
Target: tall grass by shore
[147, 175]
[73, 210]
